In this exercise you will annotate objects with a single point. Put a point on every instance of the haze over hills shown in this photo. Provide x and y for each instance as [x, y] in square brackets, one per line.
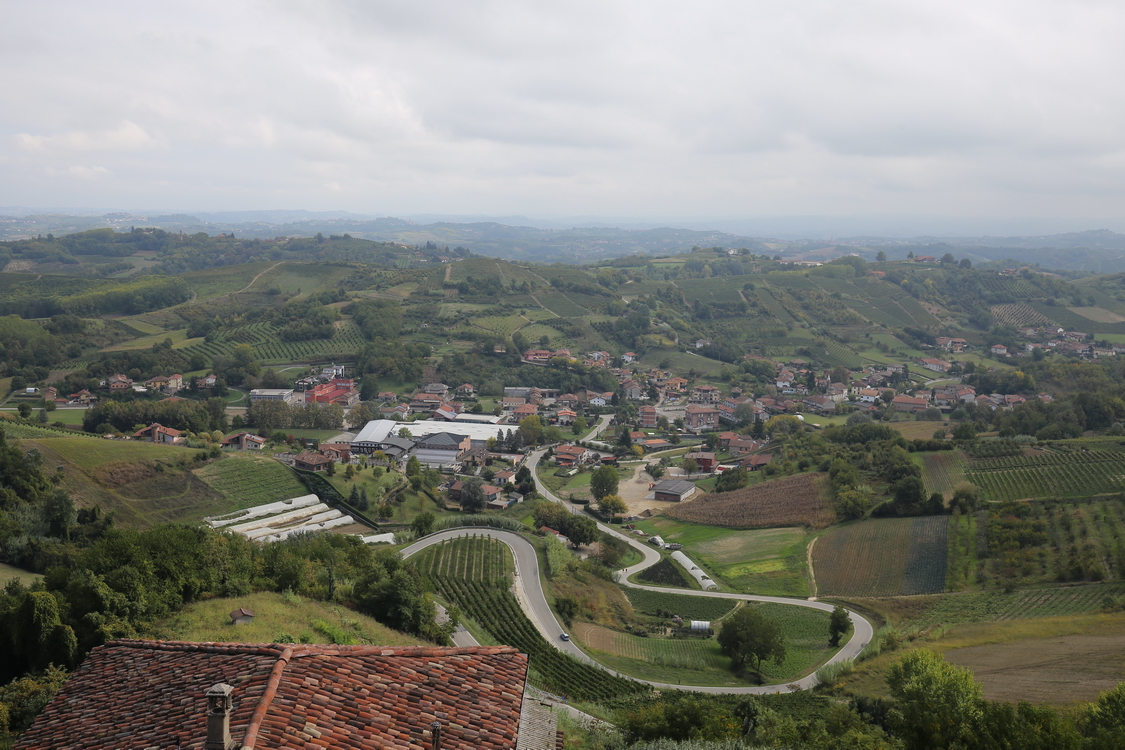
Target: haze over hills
[584, 239]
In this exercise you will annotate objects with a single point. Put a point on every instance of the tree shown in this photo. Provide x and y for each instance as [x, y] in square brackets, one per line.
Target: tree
[838, 624]
[349, 473]
[732, 479]
[359, 416]
[655, 470]
[612, 505]
[472, 495]
[580, 529]
[690, 466]
[603, 482]
[881, 256]
[423, 523]
[1103, 721]
[413, 467]
[939, 705]
[531, 427]
[24, 410]
[748, 638]
[964, 431]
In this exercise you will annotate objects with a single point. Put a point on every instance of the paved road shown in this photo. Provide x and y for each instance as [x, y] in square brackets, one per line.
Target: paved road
[529, 590]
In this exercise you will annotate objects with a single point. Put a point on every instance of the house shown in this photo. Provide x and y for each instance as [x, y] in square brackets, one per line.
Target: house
[134, 693]
[647, 416]
[868, 395]
[158, 433]
[466, 390]
[491, 492]
[524, 410]
[936, 365]
[742, 446]
[568, 400]
[565, 416]
[309, 461]
[244, 441]
[674, 490]
[341, 452]
[699, 418]
[704, 394]
[208, 381]
[633, 390]
[910, 404]
[83, 397]
[819, 403]
[387, 397]
[159, 383]
[706, 461]
[628, 357]
[656, 444]
[998, 350]
[509, 403]
[118, 382]
[399, 411]
[572, 455]
[241, 616]
[439, 388]
[755, 462]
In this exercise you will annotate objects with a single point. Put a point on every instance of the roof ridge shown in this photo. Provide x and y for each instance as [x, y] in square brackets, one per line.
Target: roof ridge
[300, 649]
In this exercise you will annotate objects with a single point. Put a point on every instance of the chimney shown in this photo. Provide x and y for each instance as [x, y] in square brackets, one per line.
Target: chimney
[219, 705]
[435, 735]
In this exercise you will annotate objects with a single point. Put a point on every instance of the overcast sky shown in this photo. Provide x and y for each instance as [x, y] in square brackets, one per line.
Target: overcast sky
[647, 109]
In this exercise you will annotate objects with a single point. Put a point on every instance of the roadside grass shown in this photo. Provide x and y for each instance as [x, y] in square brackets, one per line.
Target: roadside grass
[8, 572]
[278, 618]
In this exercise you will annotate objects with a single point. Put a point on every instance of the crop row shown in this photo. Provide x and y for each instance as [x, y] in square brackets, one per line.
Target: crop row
[1048, 459]
[987, 606]
[791, 501]
[1065, 480]
[498, 612]
[470, 558]
[942, 472]
[885, 557]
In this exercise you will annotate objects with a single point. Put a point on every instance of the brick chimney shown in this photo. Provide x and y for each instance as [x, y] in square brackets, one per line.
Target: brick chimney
[219, 706]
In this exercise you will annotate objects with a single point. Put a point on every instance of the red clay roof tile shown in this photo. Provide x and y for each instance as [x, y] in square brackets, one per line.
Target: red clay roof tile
[151, 694]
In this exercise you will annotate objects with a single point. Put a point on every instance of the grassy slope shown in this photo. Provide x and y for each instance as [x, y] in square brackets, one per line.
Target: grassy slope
[8, 572]
[276, 620]
[121, 476]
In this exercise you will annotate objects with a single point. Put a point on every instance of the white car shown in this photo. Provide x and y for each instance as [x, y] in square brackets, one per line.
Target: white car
[565, 636]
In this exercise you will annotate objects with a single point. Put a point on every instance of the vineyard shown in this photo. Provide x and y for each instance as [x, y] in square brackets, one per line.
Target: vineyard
[468, 558]
[885, 557]
[984, 606]
[663, 604]
[475, 573]
[262, 336]
[1049, 474]
[251, 480]
[798, 500]
[942, 471]
[1019, 315]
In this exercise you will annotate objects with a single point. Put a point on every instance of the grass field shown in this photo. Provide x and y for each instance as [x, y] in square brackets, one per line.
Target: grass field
[277, 619]
[215, 282]
[699, 662]
[760, 561]
[8, 572]
[660, 604]
[252, 480]
[919, 430]
[882, 557]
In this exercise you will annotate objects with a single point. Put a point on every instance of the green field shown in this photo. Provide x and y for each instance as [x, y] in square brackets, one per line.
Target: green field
[663, 604]
[215, 282]
[941, 471]
[251, 480]
[759, 561]
[1076, 473]
[696, 661]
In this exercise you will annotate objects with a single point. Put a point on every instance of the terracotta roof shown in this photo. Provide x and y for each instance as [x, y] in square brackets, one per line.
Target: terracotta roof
[152, 694]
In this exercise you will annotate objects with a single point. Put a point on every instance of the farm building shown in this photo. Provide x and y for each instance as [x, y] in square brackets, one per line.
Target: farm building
[309, 461]
[673, 490]
[244, 441]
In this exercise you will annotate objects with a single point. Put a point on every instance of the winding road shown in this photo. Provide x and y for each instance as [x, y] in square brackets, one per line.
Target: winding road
[528, 589]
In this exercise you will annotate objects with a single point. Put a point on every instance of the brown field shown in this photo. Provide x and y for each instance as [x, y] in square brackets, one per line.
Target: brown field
[799, 500]
[1078, 667]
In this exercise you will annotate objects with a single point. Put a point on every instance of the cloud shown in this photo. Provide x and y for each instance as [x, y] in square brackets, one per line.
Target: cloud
[641, 108]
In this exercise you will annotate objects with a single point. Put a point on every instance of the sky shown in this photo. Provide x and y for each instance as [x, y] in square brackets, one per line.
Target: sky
[652, 109]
